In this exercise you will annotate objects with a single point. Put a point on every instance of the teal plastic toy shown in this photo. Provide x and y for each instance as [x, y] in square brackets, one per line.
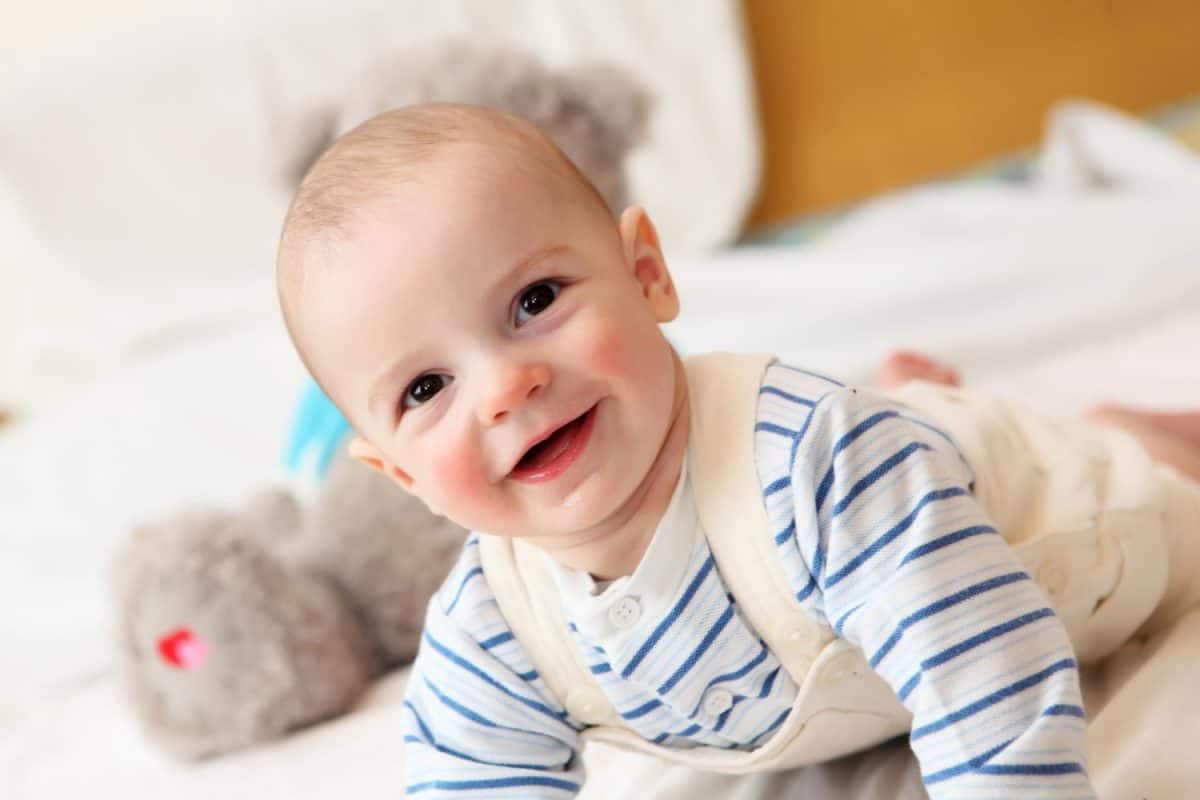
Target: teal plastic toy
[318, 430]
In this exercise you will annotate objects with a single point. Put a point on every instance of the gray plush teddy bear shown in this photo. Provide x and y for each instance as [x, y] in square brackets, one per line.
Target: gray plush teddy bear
[238, 626]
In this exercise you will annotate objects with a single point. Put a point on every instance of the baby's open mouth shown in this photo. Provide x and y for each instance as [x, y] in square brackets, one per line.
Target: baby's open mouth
[552, 455]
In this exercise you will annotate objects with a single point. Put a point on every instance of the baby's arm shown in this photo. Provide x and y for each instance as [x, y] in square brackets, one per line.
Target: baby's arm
[899, 558]
[476, 724]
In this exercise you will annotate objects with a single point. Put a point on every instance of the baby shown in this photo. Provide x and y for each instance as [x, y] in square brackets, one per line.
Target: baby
[733, 563]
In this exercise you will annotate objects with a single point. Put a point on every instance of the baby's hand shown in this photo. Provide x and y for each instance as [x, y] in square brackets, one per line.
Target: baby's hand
[903, 366]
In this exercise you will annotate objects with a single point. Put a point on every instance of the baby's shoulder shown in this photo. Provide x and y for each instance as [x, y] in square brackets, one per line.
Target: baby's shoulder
[465, 599]
[788, 395]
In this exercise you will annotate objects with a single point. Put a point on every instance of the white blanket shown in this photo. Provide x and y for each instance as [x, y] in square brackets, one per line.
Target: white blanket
[1060, 297]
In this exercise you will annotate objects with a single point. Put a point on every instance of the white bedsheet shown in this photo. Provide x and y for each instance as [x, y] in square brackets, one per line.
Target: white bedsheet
[1057, 297]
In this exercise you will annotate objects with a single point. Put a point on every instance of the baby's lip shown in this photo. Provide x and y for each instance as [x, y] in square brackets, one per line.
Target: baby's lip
[543, 436]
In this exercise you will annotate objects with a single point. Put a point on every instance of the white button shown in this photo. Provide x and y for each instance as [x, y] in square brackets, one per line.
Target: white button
[794, 636]
[718, 701]
[587, 705]
[626, 613]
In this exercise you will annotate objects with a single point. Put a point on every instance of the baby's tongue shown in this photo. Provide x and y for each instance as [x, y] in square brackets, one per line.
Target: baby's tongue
[545, 452]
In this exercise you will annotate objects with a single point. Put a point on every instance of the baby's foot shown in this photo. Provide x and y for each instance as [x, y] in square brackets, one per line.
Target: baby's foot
[1169, 438]
[903, 366]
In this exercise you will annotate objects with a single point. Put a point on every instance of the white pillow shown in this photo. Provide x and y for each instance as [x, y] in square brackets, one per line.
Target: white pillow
[143, 159]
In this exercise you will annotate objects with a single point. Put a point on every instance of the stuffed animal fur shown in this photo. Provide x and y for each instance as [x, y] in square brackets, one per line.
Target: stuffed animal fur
[595, 112]
[236, 627]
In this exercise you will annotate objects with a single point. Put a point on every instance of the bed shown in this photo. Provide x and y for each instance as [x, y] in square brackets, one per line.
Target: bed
[1060, 278]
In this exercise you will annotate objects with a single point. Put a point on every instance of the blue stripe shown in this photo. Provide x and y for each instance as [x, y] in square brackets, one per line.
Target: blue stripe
[454, 705]
[804, 401]
[700, 650]
[642, 710]
[532, 675]
[799, 437]
[936, 430]
[459, 661]
[721, 720]
[466, 579]
[1064, 711]
[432, 742]
[945, 541]
[908, 687]
[737, 673]
[841, 623]
[823, 488]
[984, 637]
[428, 734]
[941, 605]
[786, 533]
[891, 535]
[777, 485]
[874, 475]
[775, 723]
[499, 638]
[689, 730]
[768, 683]
[771, 427]
[980, 766]
[809, 588]
[1061, 768]
[648, 645]
[967, 766]
[492, 783]
[600, 669]
[819, 558]
[844, 442]
[993, 698]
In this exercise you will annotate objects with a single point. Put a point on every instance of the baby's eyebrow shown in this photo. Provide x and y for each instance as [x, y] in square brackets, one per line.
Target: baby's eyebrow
[384, 385]
[528, 263]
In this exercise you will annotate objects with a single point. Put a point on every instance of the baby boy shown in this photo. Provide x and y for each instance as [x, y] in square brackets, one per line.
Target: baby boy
[734, 563]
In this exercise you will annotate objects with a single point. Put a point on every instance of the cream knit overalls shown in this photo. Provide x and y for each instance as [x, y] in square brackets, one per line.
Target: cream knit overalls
[1102, 529]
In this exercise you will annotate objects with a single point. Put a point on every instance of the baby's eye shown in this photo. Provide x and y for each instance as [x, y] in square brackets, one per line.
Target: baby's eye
[536, 299]
[424, 388]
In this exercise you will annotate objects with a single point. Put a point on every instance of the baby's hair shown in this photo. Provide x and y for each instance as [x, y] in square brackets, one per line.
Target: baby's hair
[363, 165]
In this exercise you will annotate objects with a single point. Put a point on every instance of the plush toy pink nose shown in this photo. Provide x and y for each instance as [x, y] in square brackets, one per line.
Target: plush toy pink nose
[183, 649]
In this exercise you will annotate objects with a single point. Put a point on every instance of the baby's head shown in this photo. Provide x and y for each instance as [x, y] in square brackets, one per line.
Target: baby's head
[464, 296]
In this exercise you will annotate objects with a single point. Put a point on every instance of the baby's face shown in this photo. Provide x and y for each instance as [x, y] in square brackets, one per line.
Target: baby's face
[496, 343]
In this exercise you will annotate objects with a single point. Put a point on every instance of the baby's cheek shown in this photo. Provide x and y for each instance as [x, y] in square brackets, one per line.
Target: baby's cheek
[455, 473]
[610, 348]
[457, 487]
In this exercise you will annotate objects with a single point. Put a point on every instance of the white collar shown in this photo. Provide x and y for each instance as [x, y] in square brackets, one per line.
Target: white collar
[655, 580]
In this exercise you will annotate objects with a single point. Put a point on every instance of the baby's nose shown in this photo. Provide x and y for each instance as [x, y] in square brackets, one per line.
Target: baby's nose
[512, 386]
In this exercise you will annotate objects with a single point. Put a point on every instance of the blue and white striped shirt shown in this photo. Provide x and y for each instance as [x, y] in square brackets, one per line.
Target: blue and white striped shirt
[880, 538]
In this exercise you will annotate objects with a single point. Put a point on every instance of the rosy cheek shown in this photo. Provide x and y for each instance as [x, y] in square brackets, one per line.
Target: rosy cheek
[458, 474]
[608, 349]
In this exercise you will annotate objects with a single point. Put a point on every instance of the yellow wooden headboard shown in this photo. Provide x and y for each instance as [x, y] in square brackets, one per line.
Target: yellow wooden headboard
[858, 96]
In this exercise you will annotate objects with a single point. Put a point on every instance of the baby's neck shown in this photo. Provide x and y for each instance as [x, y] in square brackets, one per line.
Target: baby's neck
[615, 548]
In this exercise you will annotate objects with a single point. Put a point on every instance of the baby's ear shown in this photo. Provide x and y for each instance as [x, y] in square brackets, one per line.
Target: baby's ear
[374, 458]
[645, 258]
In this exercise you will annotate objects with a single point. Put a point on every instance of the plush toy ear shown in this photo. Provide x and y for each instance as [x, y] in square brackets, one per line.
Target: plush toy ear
[615, 96]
